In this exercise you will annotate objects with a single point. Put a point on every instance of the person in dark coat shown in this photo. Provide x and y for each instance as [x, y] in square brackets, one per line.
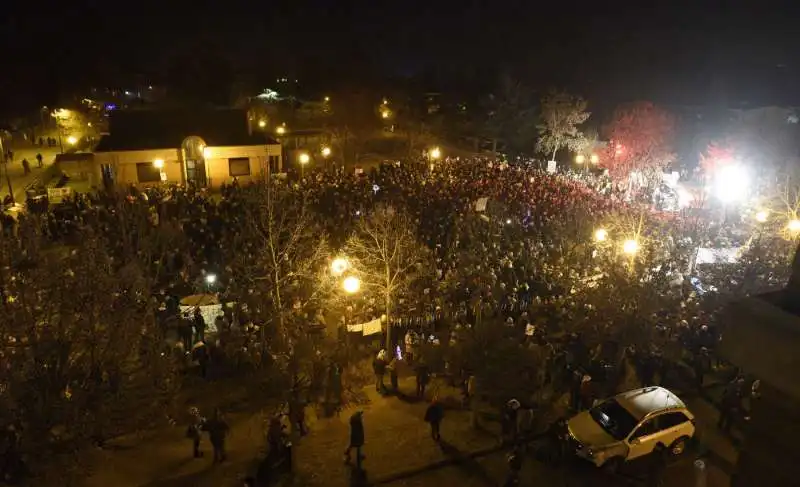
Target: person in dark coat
[195, 431]
[423, 376]
[730, 405]
[217, 432]
[379, 368]
[434, 415]
[356, 438]
[199, 325]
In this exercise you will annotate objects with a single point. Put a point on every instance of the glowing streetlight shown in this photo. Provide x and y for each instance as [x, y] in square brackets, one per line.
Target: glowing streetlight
[158, 164]
[762, 216]
[339, 265]
[206, 153]
[351, 284]
[794, 225]
[72, 140]
[327, 99]
[385, 114]
[303, 159]
[731, 183]
[280, 130]
[630, 247]
[385, 102]
[326, 152]
[594, 159]
[262, 123]
[211, 279]
[600, 235]
[580, 158]
[435, 153]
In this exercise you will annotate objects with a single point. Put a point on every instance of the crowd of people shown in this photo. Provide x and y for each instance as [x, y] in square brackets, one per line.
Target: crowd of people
[511, 246]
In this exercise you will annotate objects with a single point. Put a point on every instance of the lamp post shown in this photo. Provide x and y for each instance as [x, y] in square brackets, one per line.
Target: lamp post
[303, 159]
[351, 285]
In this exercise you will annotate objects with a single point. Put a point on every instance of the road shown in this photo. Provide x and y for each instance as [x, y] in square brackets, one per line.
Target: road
[20, 180]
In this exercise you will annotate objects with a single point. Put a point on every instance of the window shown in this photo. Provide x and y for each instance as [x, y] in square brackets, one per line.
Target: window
[239, 166]
[274, 164]
[645, 429]
[666, 421]
[613, 418]
[146, 172]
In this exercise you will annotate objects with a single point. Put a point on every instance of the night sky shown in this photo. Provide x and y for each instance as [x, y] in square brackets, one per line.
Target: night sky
[608, 51]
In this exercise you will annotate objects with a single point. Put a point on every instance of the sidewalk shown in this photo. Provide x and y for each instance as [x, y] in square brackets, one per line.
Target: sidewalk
[19, 180]
[397, 441]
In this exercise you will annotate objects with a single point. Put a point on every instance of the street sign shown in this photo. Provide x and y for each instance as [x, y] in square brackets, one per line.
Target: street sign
[551, 166]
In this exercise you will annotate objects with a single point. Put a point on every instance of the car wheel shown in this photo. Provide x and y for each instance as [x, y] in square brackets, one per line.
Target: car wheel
[678, 447]
[612, 465]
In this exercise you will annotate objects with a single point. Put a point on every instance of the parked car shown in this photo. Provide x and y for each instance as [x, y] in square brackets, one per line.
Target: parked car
[631, 425]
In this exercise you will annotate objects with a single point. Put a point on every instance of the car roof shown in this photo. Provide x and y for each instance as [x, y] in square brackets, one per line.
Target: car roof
[647, 400]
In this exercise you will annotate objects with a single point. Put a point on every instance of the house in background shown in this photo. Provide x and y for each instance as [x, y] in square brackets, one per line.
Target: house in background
[207, 148]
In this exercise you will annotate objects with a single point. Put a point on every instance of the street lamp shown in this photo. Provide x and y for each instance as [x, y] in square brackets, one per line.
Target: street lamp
[327, 99]
[281, 130]
[794, 225]
[72, 140]
[386, 114]
[211, 279]
[262, 123]
[600, 235]
[339, 265]
[762, 216]
[158, 164]
[435, 153]
[630, 247]
[303, 159]
[580, 159]
[594, 159]
[351, 284]
[326, 152]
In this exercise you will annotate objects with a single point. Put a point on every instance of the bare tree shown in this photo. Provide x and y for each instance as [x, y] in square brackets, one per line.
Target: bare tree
[387, 257]
[280, 270]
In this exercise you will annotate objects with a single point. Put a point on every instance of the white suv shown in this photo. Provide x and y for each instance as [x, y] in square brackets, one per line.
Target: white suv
[631, 425]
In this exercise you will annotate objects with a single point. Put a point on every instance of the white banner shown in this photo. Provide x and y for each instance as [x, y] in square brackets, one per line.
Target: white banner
[551, 166]
[707, 255]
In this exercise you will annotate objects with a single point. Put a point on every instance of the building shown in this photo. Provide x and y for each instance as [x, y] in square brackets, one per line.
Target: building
[762, 338]
[207, 148]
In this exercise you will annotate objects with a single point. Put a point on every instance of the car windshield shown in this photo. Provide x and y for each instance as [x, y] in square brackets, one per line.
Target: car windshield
[614, 419]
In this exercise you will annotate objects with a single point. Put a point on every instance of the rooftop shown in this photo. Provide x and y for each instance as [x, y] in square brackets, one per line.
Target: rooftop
[157, 129]
[641, 402]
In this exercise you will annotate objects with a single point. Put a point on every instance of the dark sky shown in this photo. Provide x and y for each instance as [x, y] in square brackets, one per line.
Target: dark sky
[610, 51]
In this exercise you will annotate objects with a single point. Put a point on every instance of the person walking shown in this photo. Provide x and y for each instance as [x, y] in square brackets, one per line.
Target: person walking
[356, 438]
[217, 432]
[195, 431]
[434, 415]
[38, 160]
[26, 167]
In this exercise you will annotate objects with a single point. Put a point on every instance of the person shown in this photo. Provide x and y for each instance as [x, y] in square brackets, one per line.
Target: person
[423, 376]
[195, 431]
[275, 434]
[434, 415]
[514, 467]
[510, 420]
[217, 432]
[730, 405]
[356, 438]
[38, 160]
[379, 368]
[26, 166]
[393, 374]
[199, 325]
[201, 354]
